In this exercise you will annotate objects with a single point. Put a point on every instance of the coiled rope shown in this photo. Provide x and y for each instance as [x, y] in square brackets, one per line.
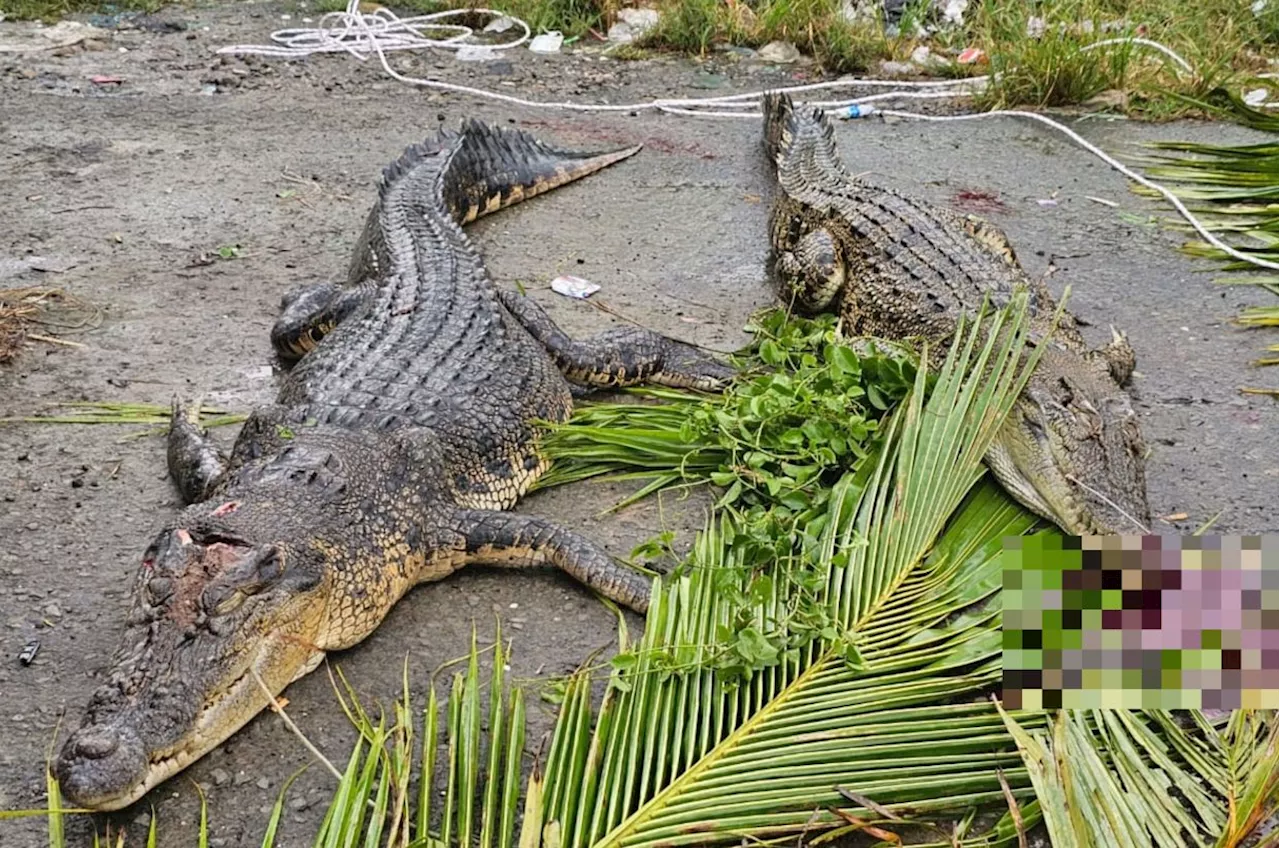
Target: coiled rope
[365, 34]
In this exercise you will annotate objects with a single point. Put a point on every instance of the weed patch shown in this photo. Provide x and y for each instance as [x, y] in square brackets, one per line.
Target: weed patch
[52, 10]
[1035, 51]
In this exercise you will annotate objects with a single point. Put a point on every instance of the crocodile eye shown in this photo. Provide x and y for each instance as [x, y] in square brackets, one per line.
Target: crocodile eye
[1033, 425]
[228, 603]
[1090, 420]
[159, 589]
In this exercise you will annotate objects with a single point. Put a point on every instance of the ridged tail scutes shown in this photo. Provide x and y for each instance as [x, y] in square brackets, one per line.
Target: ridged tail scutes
[481, 168]
[791, 131]
[496, 167]
[777, 108]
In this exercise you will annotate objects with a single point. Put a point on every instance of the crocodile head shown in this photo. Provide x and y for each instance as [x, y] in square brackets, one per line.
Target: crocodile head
[1071, 449]
[217, 614]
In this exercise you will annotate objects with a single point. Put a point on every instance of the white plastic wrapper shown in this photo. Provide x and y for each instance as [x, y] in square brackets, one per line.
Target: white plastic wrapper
[548, 42]
[574, 287]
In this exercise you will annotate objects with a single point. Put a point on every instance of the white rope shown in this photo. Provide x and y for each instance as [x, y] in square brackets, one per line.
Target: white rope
[1145, 42]
[1096, 151]
[361, 35]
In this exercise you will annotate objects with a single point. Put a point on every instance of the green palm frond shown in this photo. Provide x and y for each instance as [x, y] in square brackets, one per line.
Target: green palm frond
[1132, 779]
[877, 720]
[889, 706]
[1235, 190]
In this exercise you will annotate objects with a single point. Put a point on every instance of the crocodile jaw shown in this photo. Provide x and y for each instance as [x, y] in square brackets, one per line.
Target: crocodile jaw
[1079, 465]
[214, 623]
[129, 771]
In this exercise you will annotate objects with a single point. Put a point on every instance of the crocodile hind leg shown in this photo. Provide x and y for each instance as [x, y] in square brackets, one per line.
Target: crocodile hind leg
[310, 313]
[619, 357]
[521, 541]
[195, 463]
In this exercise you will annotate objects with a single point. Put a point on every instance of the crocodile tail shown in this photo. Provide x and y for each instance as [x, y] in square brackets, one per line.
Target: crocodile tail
[777, 109]
[792, 132]
[495, 167]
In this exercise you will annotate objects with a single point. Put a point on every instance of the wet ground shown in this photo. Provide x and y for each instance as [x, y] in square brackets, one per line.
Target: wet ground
[133, 187]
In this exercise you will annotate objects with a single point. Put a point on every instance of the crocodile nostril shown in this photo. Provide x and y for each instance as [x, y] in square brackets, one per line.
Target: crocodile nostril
[96, 746]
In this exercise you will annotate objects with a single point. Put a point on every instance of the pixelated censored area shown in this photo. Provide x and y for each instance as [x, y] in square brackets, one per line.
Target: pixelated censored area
[1140, 622]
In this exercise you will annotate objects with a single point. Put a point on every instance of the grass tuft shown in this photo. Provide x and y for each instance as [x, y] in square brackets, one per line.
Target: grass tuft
[52, 10]
[155, 416]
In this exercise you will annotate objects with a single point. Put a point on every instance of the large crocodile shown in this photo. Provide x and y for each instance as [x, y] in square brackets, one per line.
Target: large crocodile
[894, 267]
[395, 444]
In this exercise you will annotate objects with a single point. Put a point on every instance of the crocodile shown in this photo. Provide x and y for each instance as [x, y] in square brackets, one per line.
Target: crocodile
[892, 266]
[398, 439]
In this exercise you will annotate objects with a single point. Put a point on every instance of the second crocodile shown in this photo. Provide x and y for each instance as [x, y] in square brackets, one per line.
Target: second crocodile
[894, 267]
[396, 444]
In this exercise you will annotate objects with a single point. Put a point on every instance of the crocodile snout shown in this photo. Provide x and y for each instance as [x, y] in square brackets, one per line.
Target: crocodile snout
[102, 768]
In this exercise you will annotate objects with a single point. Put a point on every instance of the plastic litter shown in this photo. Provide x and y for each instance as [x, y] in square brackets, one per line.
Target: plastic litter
[574, 287]
[632, 24]
[501, 24]
[953, 12]
[548, 42]
[473, 53]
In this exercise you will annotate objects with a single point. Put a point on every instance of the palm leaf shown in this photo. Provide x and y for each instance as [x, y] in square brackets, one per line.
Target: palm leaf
[891, 707]
[1133, 779]
[1235, 189]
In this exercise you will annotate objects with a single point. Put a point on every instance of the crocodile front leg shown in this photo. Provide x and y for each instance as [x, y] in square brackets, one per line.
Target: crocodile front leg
[619, 357]
[520, 541]
[310, 313]
[195, 463]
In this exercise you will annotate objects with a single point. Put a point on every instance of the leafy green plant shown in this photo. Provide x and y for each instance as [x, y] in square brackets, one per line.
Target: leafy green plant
[775, 440]
[776, 444]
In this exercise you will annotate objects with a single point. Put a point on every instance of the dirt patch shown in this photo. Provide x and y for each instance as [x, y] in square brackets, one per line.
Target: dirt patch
[276, 161]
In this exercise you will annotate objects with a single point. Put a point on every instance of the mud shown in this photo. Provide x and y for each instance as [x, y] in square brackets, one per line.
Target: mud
[140, 183]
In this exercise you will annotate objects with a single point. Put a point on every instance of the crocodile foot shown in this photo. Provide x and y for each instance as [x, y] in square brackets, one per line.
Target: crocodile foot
[195, 463]
[620, 357]
[519, 541]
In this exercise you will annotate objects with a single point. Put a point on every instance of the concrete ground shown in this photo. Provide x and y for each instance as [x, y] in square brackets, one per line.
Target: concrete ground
[128, 185]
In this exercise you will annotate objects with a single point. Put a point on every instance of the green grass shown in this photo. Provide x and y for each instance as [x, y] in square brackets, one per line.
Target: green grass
[154, 416]
[52, 10]
[1224, 40]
